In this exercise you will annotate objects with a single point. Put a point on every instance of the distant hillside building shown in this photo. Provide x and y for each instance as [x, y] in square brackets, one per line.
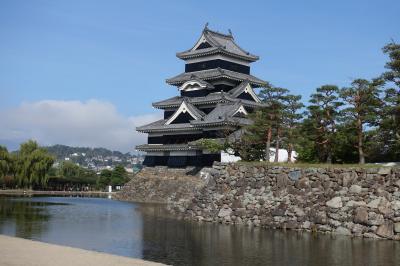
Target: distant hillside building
[216, 94]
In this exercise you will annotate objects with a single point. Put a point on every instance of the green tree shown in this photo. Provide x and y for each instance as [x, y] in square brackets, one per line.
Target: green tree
[255, 138]
[7, 167]
[393, 74]
[274, 98]
[69, 169]
[324, 113]
[344, 143]
[119, 175]
[213, 145]
[390, 125]
[291, 121]
[5, 159]
[32, 164]
[307, 148]
[362, 109]
[105, 178]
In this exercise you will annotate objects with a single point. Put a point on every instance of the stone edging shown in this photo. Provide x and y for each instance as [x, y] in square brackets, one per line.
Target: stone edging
[345, 201]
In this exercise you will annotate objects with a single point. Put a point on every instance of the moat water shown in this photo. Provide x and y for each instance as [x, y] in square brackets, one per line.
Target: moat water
[145, 231]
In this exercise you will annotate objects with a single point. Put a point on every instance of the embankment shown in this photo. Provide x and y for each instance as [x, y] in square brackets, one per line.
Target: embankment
[347, 201]
[162, 185]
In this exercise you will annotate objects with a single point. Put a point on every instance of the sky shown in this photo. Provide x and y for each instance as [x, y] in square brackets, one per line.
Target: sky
[84, 73]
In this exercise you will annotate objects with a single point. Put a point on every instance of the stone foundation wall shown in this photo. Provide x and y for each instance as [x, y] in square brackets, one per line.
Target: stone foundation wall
[162, 185]
[359, 202]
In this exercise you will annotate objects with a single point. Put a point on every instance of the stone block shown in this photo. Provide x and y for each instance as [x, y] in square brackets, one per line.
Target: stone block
[342, 231]
[224, 212]
[335, 203]
[396, 205]
[306, 225]
[303, 183]
[355, 189]
[385, 171]
[358, 229]
[396, 227]
[281, 180]
[373, 204]
[361, 215]
[348, 178]
[385, 229]
[375, 218]
[294, 175]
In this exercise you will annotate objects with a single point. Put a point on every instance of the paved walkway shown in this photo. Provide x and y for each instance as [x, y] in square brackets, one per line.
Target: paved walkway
[17, 252]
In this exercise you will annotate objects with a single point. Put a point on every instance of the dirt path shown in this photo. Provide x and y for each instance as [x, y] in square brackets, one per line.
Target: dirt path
[17, 252]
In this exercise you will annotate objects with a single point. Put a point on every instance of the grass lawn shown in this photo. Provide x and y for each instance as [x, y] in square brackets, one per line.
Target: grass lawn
[315, 165]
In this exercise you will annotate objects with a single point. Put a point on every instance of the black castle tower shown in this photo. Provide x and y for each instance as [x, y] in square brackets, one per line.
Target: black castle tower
[216, 94]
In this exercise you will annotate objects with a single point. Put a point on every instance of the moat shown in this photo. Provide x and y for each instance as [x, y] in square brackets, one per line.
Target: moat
[145, 231]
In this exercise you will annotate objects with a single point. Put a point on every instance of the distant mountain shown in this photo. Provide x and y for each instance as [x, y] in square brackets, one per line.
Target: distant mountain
[92, 158]
[62, 151]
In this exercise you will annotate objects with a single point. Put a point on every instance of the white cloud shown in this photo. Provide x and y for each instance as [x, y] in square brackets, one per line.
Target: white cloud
[92, 123]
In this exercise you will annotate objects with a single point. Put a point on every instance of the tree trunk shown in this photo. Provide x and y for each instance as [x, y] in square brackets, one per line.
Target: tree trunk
[328, 153]
[360, 142]
[268, 145]
[329, 158]
[277, 145]
[290, 149]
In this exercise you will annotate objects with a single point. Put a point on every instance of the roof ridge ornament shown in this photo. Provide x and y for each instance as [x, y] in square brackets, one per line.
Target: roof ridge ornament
[230, 33]
[223, 97]
[206, 26]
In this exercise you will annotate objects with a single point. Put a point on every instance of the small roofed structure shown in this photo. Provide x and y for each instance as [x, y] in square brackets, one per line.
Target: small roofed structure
[216, 96]
[213, 42]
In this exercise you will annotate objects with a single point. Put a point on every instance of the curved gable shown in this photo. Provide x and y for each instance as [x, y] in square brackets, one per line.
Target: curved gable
[240, 112]
[192, 85]
[195, 84]
[185, 113]
[245, 91]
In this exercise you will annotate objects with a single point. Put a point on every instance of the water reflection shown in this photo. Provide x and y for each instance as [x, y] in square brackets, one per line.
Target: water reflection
[25, 219]
[210, 244]
[146, 231]
[89, 223]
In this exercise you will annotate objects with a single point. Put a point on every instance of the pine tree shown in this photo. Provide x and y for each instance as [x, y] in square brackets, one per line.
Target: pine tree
[251, 145]
[362, 109]
[324, 113]
[390, 125]
[273, 97]
[291, 121]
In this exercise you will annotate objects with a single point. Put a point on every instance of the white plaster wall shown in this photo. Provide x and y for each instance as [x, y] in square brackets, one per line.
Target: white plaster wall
[283, 155]
[228, 157]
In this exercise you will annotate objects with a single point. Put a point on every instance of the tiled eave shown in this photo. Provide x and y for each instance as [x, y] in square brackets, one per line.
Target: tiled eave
[245, 103]
[218, 50]
[218, 73]
[167, 129]
[167, 147]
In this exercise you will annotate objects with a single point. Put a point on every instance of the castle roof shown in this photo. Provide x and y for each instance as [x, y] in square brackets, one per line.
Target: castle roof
[217, 43]
[167, 147]
[222, 114]
[212, 98]
[160, 126]
[195, 80]
[216, 73]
